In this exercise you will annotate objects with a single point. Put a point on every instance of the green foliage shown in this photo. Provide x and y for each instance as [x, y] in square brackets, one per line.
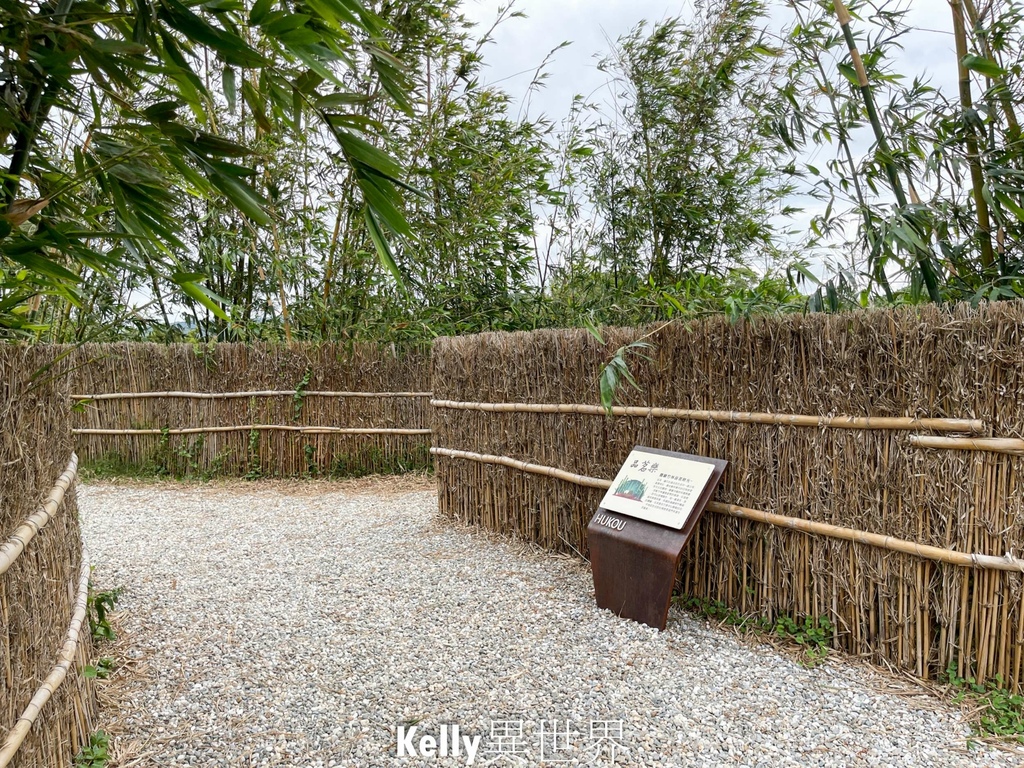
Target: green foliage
[176, 153]
[101, 670]
[96, 754]
[100, 604]
[253, 471]
[675, 203]
[309, 453]
[937, 197]
[616, 370]
[300, 394]
[374, 461]
[813, 634]
[999, 712]
[112, 122]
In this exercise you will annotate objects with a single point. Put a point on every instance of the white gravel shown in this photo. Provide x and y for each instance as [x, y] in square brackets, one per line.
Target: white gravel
[302, 627]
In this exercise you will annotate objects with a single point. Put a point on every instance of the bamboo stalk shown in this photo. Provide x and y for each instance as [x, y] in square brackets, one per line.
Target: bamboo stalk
[65, 661]
[734, 417]
[233, 395]
[536, 469]
[1010, 445]
[984, 234]
[24, 533]
[257, 427]
[880, 541]
[922, 255]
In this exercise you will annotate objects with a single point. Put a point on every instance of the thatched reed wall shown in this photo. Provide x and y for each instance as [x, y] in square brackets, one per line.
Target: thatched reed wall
[916, 613]
[140, 368]
[38, 592]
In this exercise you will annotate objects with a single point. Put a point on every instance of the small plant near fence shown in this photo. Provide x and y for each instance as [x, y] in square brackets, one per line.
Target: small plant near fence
[309, 452]
[100, 604]
[100, 670]
[999, 712]
[252, 456]
[300, 394]
[812, 633]
[96, 754]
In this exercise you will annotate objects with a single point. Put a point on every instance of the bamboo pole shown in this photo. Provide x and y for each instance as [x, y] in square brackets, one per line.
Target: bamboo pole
[984, 234]
[880, 541]
[536, 469]
[922, 255]
[257, 427]
[736, 417]
[24, 533]
[235, 395]
[1011, 445]
[65, 661]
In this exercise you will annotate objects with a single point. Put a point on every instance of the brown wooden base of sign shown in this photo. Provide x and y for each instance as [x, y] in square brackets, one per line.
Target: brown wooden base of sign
[635, 567]
[635, 562]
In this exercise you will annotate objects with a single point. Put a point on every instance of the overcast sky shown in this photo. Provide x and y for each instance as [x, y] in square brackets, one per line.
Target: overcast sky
[521, 44]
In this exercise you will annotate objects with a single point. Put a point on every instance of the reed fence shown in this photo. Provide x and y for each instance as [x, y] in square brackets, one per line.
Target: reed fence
[875, 464]
[263, 410]
[46, 706]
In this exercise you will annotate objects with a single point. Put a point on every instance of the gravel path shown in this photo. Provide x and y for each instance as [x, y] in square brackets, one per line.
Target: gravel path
[303, 626]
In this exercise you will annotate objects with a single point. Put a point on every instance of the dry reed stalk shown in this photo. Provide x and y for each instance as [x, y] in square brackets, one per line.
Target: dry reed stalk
[312, 430]
[15, 545]
[65, 661]
[1009, 445]
[236, 395]
[730, 417]
[879, 541]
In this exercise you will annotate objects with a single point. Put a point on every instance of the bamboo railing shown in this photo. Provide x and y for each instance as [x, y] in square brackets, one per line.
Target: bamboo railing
[10, 551]
[65, 662]
[893, 544]
[238, 395]
[1009, 445]
[732, 417]
[15, 545]
[256, 428]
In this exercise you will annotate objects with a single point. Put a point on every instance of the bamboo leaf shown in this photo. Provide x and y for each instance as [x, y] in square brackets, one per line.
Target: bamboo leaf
[982, 66]
[383, 248]
[230, 92]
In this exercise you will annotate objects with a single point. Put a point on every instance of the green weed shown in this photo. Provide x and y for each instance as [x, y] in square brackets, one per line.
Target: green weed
[101, 670]
[1001, 712]
[100, 604]
[96, 754]
[814, 633]
[300, 394]
[253, 456]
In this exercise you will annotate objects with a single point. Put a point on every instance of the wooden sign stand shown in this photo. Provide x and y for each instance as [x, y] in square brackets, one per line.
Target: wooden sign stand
[635, 561]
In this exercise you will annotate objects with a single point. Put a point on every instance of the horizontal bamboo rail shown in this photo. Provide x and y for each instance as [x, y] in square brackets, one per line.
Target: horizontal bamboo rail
[536, 469]
[737, 417]
[24, 533]
[259, 428]
[65, 661]
[927, 552]
[1011, 445]
[235, 395]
